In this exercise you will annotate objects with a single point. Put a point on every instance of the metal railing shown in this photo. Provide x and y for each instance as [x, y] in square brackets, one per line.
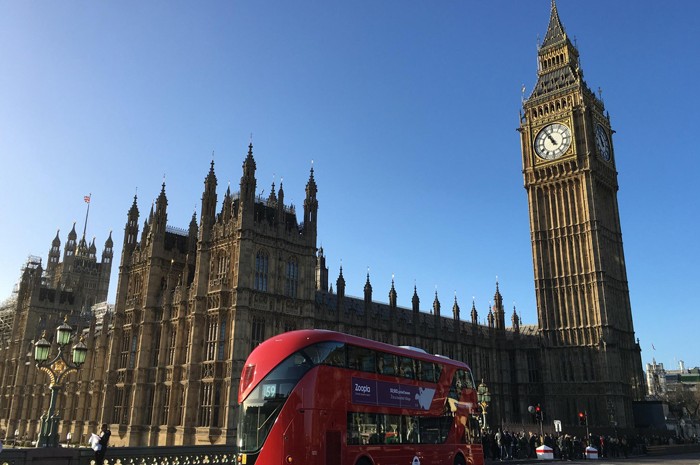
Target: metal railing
[168, 455]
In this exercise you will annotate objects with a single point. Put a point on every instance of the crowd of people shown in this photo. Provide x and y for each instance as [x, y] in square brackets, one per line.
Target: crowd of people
[508, 445]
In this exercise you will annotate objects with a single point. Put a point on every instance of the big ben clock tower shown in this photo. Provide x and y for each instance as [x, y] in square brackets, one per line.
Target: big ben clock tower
[583, 303]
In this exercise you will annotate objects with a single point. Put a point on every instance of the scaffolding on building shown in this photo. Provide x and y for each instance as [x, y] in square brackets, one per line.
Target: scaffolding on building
[8, 307]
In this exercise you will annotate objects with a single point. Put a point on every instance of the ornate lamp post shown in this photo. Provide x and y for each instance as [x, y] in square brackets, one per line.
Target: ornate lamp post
[484, 398]
[56, 368]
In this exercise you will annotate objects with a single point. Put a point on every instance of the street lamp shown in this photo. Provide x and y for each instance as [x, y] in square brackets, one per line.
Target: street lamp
[56, 369]
[484, 398]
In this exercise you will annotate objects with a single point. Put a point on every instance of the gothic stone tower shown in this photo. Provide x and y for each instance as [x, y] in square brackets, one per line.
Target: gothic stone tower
[191, 305]
[581, 288]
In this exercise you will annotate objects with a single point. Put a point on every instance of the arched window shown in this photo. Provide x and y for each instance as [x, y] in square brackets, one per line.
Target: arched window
[261, 266]
[292, 281]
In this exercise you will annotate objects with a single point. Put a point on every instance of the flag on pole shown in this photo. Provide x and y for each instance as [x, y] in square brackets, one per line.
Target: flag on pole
[652, 346]
[87, 199]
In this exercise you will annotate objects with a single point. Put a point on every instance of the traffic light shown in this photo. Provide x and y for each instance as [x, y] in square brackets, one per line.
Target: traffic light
[538, 413]
[582, 420]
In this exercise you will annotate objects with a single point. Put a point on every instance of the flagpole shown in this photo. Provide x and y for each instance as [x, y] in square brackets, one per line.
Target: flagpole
[87, 200]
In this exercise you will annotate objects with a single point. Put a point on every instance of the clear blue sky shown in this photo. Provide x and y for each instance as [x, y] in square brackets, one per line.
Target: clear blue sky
[408, 109]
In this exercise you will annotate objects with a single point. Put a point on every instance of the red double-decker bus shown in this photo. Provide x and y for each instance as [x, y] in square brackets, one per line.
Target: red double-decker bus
[315, 397]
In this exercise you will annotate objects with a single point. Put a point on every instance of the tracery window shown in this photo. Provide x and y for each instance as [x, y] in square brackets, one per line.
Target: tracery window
[223, 265]
[209, 408]
[150, 396]
[188, 329]
[212, 336]
[171, 345]
[221, 353]
[155, 352]
[205, 403]
[258, 334]
[261, 270]
[120, 412]
[292, 278]
[124, 352]
[132, 354]
[165, 402]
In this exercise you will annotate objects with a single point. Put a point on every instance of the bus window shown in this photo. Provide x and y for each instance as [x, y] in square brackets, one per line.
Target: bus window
[411, 430]
[438, 371]
[429, 372]
[434, 430]
[365, 428]
[469, 380]
[456, 385]
[327, 353]
[375, 428]
[393, 429]
[361, 358]
[406, 369]
[386, 364]
[460, 381]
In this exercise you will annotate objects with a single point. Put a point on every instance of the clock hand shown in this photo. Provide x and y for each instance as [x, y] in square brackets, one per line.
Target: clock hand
[551, 139]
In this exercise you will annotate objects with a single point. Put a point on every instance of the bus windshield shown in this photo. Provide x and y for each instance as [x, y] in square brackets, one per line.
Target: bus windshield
[259, 411]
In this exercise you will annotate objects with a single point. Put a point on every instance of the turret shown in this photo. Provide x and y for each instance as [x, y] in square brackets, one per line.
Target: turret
[226, 206]
[310, 208]
[209, 199]
[160, 218]
[54, 254]
[82, 248]
[415, 301]
[131, 230]
[516, 321]
[436, 306]
[186, 276]
[92, 250]
[498, 310]
[392, 295]
[321, 272]
[105, 269]
[69, 250]
[556, 50]
[368, 294]
[248, 184]
[475, 314]
[455, 310]
[108, 251]
[272, 198]
[280, 205]
[340, 287]
[192, 234]
[145, 232]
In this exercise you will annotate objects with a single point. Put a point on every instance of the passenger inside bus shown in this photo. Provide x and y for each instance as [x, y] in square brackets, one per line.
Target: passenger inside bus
[412, 434]
[406, 368]
[378, 436]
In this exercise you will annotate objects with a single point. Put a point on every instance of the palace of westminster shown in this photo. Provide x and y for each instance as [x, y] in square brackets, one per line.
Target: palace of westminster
[164, 364]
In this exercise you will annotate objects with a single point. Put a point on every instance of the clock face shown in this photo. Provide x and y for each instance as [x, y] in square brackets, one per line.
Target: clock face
[553, 141]
[602, 142]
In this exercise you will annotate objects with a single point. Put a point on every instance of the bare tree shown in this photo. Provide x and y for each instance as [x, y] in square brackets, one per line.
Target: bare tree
[684, 402]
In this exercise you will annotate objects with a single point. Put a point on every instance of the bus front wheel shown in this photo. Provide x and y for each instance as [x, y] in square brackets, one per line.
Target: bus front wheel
[459, 460]
[363, 461]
